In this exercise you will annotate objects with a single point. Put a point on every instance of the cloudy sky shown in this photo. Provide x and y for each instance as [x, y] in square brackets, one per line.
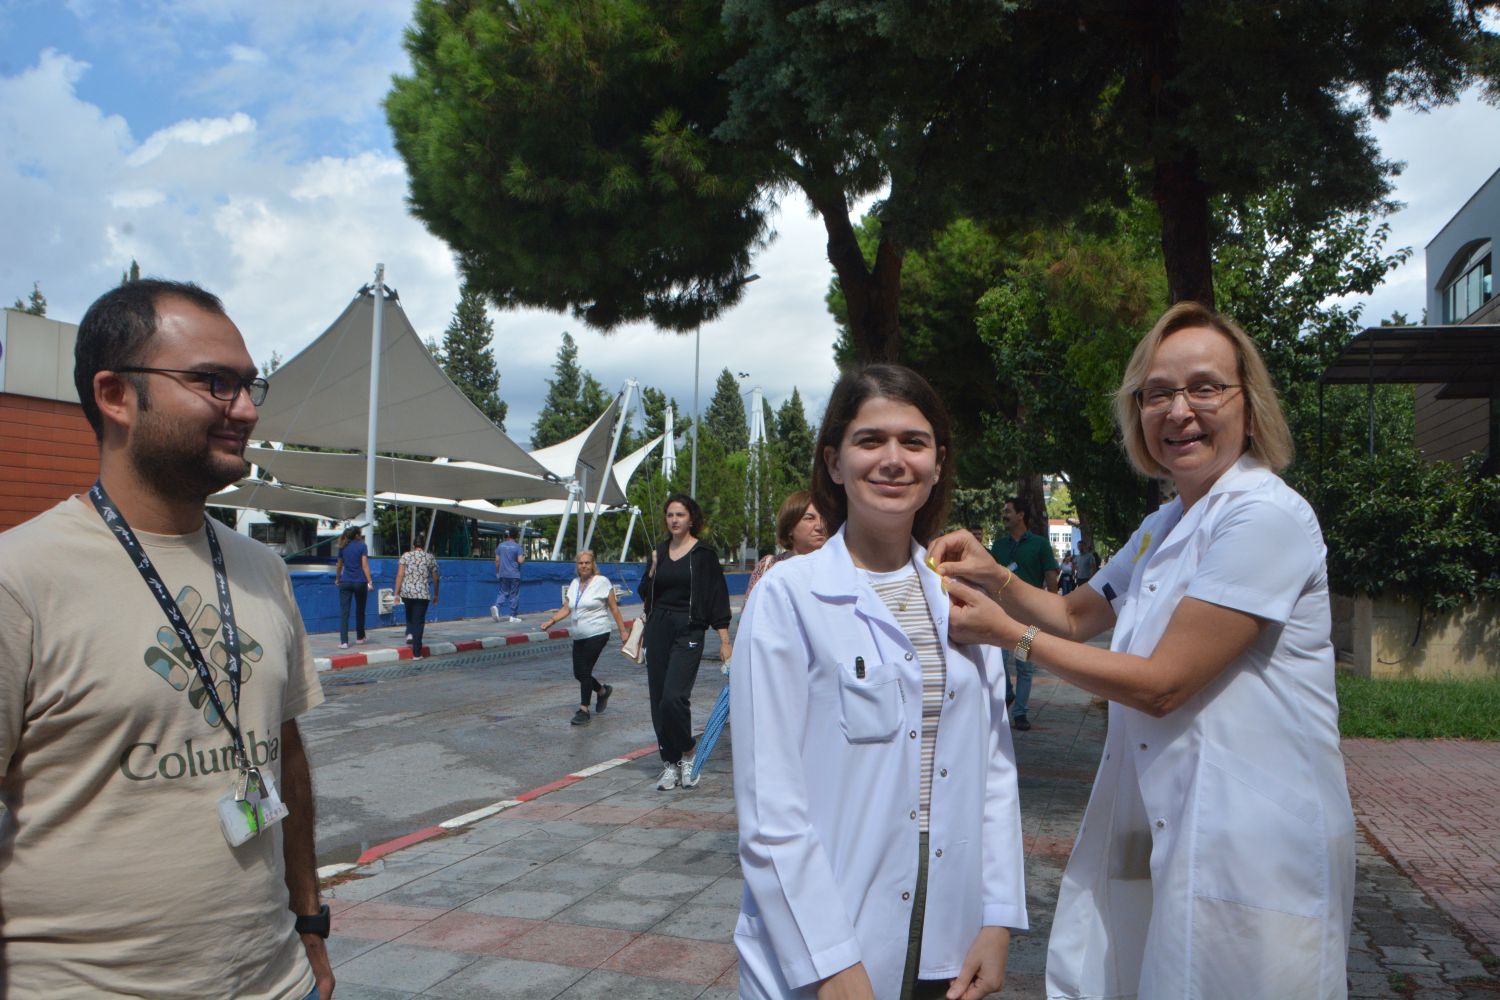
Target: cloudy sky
[242, 145]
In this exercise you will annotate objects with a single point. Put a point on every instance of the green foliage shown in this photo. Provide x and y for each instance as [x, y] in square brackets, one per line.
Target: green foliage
[574, 399]
[724, 421]
[1395, 522]
[269, 366]
[564, 151]
[133, 273]
[1391, 709]
[468, 359]
[1060, 503]
[795, 438]
[36, 302]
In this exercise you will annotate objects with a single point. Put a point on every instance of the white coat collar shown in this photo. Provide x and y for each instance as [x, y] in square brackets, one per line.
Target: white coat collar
[834, 578]
[1244, 475]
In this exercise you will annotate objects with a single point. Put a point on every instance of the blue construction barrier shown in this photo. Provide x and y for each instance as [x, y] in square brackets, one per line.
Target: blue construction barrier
[467, 591]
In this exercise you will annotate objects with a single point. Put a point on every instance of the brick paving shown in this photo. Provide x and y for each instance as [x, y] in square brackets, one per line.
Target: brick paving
[608, 888]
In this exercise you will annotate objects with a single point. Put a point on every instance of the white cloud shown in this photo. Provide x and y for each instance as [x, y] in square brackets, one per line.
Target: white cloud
[246, 54]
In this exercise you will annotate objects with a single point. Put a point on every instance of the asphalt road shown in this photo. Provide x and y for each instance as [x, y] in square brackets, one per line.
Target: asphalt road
[398, 748]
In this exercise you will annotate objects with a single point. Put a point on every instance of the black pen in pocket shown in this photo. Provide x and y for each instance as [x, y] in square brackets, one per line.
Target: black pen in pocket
[859, 667]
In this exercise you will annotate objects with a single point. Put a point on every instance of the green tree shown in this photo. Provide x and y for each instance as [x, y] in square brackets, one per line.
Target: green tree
[36, 302]
[132, 273]
[724, 420]
[794, 442]
[468, 359]
[574, 399]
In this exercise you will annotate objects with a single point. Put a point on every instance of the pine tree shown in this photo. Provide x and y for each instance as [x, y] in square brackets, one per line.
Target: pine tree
[794, 439]
[467, 358]
[574, 399]
[133, 274]
[725, 420]
[36, 302]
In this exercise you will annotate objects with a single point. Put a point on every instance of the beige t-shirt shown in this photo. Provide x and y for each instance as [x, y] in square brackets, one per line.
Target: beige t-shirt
[115, 879]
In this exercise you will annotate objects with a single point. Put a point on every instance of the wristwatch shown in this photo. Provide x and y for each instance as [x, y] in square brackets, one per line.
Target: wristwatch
[318, 924]
[1023, 648]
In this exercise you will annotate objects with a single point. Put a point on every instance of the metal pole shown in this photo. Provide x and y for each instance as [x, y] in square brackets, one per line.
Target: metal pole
[693, 480]
[609, 465]
[375, 332]
[562, 529]
[1370, 395]
[635, 512]
[583, 492]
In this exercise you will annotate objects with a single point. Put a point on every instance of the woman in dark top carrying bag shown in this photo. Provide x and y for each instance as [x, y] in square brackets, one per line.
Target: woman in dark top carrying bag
[685, 595]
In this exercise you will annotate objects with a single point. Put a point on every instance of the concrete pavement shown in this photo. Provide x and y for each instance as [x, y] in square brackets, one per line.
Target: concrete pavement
[599, 886]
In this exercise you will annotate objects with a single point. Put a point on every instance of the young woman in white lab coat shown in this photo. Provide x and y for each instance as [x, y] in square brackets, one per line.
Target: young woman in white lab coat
[1216, 856]
[880, 833]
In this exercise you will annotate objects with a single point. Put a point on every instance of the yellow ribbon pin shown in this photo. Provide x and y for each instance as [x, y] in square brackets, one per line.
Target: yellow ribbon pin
[1145, 544]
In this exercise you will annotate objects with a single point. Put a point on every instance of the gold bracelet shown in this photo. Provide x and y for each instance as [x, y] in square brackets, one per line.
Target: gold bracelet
[1008, 575]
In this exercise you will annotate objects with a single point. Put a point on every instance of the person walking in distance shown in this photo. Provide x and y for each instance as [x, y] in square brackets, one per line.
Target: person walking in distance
[152, 669]
[508, 559]
[417, 585]
[590, 603]
[1030, 557]
[351, 574]
[685, 595]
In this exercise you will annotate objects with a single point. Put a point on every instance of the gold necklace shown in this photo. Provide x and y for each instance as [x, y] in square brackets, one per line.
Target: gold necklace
[906, 594]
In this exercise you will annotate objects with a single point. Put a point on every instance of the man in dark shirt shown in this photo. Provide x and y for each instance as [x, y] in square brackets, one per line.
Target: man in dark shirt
[1029, 556]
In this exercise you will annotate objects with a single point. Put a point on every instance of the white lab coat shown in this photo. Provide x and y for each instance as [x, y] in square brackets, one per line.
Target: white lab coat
[1216, 856]
[827, 781]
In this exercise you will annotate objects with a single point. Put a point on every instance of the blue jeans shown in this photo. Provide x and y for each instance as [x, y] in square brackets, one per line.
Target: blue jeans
[416, 621]
[509, 597]
[1023, 682]
[352, 593]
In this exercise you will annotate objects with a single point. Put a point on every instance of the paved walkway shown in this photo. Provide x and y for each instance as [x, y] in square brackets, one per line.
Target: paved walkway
[604, 887]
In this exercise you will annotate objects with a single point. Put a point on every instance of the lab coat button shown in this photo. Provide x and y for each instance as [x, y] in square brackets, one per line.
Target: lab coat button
[905, 896]
[1151, 587]
[912, 734]
[950, 695]
[943, 773]
[1161, 823]
[908, 656]
[1143, 746]
[939, 852]
[913, 814]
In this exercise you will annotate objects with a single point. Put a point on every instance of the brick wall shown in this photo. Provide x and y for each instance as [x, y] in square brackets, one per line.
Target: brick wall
[47, 453]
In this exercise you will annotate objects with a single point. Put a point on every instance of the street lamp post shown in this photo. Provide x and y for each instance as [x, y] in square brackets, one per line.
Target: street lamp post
[697, 333]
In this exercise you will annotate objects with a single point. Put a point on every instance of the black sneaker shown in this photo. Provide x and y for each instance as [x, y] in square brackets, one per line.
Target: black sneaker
[601, 698]
[581, 718]
[1020, 722]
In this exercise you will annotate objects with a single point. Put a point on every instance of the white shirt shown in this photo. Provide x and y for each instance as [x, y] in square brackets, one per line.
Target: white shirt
[588, 613]
[1216, 856]
[826, 783]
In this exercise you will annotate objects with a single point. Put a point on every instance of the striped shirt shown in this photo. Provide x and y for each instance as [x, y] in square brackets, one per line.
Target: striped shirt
[901, 590]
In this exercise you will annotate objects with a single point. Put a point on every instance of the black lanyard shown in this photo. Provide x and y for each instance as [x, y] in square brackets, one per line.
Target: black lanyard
[121, 530]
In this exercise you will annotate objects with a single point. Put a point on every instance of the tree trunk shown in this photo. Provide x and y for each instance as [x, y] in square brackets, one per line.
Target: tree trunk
[1182, 198]
[873, 296]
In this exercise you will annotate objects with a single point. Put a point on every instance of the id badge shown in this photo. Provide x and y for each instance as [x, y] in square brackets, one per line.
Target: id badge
[247, 812]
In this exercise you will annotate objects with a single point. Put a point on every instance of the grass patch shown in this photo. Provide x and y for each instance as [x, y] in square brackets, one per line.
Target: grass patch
[1419, 709]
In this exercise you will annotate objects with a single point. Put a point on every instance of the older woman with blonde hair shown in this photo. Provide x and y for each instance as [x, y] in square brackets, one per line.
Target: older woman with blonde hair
[1216, 856]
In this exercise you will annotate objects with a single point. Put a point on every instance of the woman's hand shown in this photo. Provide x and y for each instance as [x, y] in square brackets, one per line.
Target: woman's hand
[983, 971]
[852, 983]
[975, 617]
[725, 650]
[959, 553]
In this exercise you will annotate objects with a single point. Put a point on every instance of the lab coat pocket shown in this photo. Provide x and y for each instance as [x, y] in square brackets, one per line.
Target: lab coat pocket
[1259, 841]
[869, 708]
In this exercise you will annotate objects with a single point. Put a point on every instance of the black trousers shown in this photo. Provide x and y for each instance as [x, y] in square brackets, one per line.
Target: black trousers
[352, 594]
[585, 655]
[416, 621]
[673, 651]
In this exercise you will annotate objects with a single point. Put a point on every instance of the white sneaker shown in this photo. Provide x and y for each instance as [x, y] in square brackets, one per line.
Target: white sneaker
[669, 778]
[513, 618]
[685, 778]
[495, 612]
[343, 645]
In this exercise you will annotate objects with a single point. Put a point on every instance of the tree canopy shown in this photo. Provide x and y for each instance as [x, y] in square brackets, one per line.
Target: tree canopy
[36, 302]
[574, 399]
[725, 419]
[469, 360]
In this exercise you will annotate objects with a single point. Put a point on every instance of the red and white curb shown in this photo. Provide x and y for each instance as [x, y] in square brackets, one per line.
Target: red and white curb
[344, 661]
[458, 822]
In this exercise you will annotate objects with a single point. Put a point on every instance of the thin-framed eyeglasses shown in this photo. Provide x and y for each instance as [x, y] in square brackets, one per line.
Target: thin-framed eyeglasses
[1201, 397]
[222, 385]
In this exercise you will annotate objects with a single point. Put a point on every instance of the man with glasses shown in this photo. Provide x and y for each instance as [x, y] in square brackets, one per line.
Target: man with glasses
[151, 672]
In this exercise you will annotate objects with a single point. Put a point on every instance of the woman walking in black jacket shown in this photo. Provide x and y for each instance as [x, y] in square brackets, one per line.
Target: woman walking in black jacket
[685, 595]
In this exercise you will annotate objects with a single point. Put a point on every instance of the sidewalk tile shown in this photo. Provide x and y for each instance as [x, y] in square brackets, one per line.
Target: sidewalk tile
[489, 869]
[440, 894]
[379, 921]
[726, 891]
[536, 846]
[647, 836]
[461, 930]
[603, 985]
[504, 978]
[672, 958]
[603, 852]
[510, 902]
[563, 875]
[661, 885]
[404, 967]
[621, 912]
[701, 923]
[578, 945]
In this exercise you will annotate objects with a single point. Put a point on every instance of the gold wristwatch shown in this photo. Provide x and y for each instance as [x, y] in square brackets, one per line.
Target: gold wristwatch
[1023, 648]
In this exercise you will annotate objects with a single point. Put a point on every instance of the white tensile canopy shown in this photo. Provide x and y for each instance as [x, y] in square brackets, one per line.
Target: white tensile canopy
[582, 456]
[448, 480]
[321, 397]
[257, 494]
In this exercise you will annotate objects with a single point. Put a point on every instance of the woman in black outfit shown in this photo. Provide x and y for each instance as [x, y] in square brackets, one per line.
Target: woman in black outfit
[685, 595]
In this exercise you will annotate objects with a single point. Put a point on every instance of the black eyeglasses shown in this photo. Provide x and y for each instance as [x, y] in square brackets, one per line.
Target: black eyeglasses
[1205, 397]
[224, 386]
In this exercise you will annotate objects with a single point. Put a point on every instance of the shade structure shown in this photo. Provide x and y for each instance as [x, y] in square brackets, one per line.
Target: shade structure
[584, 455]
[1464, 359]
[431, 479]
[321, 397]
[257, 494]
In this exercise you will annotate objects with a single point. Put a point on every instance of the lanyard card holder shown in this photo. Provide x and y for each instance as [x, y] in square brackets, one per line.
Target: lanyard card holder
[250, 808]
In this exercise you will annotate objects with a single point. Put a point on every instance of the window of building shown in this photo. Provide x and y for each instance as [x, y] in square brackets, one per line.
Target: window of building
[269, 534]
[1473, 287]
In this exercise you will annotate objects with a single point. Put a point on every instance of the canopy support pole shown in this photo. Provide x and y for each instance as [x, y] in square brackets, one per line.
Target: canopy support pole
[609, 464]
[562, 529]
[375, 334]
[635, 512]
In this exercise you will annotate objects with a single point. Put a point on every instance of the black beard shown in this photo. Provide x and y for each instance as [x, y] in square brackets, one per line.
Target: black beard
[180, 470]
